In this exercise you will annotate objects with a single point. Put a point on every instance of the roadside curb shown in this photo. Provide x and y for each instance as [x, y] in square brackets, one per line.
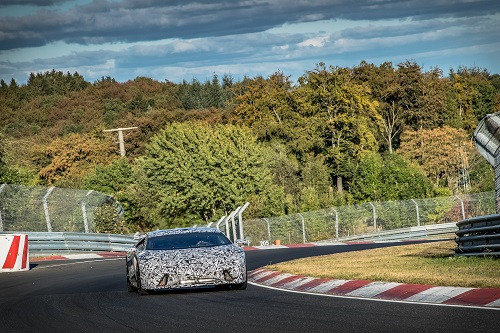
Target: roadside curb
[392, 291]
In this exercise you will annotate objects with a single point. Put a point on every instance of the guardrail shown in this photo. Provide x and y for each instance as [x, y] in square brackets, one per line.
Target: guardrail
[424, 231]
[478, 236]
[74, 241]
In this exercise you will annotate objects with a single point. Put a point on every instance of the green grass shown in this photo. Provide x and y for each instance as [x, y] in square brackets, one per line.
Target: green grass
[431, 263]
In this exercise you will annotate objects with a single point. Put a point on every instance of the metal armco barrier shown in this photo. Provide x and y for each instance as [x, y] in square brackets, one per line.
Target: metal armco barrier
[424, 231]
[14, 253]
[479, 236]
[73, 241]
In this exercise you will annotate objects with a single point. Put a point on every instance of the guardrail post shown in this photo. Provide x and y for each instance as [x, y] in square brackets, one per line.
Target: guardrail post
[84, 212]
[336, 223]
[268, 229]
[240, 218]
[418, 214]
[374, 217]
[46, 208]
[461, 206]
[219, 222]
[226, 220]
[303, 228]
[233, 224]
[1, 221]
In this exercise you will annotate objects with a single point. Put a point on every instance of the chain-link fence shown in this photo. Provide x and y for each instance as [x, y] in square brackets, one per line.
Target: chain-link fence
[24, 208]
[344, 221]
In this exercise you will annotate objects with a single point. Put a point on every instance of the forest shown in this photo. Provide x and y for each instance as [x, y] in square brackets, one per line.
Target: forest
[336, 136]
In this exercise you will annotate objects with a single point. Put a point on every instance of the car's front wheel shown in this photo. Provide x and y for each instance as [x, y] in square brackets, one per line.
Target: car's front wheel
[140, 291]
[240, 286]
[130, 287]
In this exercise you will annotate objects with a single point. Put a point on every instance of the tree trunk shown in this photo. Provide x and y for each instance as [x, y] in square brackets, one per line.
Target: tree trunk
[339, 184]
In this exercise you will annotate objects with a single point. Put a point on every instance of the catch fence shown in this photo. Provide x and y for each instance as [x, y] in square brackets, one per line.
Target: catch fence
[346, 221]
[42, 209]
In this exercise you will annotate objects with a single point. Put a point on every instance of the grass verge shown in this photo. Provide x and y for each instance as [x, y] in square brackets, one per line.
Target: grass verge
[430, 263]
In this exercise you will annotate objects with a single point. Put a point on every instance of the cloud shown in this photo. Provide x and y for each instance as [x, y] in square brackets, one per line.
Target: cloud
[100, 22]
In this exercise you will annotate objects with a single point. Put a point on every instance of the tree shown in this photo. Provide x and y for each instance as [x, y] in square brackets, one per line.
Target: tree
[389, 177]
[385, 88]
[65, 161]
[443, 153]
[345, 114]
[472, 95]
[193, 172]
[110, 179]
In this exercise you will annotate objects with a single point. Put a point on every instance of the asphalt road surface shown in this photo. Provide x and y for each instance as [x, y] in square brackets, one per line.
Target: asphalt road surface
[91, 296]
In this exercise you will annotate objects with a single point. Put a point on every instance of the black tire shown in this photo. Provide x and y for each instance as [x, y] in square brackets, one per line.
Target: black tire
[240, 286]
[130, 287]
[140, 291]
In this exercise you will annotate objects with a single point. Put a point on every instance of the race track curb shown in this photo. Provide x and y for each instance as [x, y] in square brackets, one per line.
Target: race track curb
[393, 291]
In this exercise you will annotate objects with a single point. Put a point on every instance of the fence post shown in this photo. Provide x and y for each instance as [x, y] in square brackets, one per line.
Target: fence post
[84, 211]
[233, 223]
[336, 223]
[46, 208]
[303, 228]
[219, 222]
[240, 218]
[1, 221]
[268, 229]
[374, 217]
[418, 214]
[461, 206]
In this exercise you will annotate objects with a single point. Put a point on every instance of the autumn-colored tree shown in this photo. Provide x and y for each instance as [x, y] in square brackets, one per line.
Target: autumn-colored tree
[66, 160]
[344, 113]
[385, 88]
[443, 153]
[472, 97]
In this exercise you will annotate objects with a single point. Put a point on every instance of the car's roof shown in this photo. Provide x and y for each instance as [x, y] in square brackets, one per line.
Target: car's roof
[178, 231]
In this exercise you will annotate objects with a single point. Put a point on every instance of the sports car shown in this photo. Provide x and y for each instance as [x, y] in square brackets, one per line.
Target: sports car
[183, 258]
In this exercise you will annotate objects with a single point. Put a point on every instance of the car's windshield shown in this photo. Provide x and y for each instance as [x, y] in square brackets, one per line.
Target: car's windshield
[186, 241]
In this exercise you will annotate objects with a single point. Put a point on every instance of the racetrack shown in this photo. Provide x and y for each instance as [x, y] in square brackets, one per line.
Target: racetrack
[87, 296]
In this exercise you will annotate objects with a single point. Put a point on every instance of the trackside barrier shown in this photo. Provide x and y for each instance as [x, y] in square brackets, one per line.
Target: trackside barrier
[479, 236]
[14, 254]
[425, 231]
[74, 241]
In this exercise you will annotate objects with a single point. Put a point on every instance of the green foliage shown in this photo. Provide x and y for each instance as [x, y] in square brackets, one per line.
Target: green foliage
[106, 220]
[389, 178]
[110, 179]
[334, 127]
[194, 172]
[345, 114]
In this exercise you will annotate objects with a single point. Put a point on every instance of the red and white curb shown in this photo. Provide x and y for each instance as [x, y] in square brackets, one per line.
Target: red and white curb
[77, 256]
[393, 291]
[14, 253]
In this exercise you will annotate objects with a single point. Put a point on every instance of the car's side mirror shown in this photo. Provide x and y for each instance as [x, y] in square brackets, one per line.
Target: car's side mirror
[138, 236]
[242, 242]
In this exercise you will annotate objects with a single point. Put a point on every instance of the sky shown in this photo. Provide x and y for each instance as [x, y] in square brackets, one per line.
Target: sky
[184, 39]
